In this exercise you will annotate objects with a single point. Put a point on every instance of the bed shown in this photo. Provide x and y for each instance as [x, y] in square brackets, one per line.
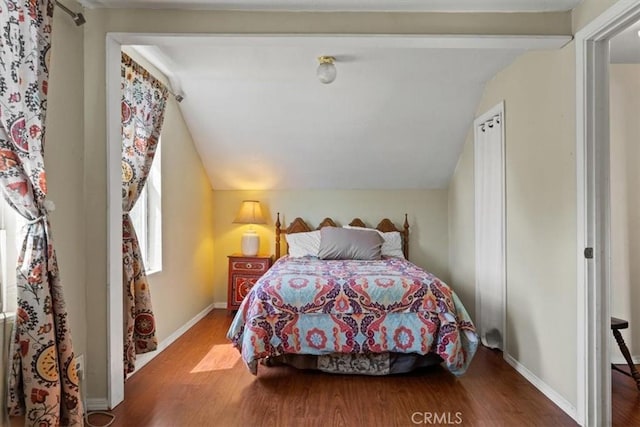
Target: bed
[375, 316]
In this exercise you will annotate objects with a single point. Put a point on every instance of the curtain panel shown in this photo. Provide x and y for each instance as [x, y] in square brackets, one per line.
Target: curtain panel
[43, 383]
[144, 100]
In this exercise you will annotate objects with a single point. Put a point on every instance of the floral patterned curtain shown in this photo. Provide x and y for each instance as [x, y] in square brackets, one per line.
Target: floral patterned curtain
[43, 383]
[143, 103]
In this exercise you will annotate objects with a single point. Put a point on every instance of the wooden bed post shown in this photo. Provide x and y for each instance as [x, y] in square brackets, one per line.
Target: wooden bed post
[278, 237]
[406, 236]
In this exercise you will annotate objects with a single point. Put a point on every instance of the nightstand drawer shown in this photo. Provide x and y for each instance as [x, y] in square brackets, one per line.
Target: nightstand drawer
[250, 265]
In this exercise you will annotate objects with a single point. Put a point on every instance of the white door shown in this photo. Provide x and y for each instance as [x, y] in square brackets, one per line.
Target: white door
[490, 227]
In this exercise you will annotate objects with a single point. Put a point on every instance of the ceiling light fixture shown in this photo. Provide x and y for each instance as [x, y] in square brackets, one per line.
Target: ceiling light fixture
[327, 69]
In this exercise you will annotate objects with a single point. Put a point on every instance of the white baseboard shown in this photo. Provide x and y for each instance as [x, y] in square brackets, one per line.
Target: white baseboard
[545, 388]
[143, 359]
[220, 305]
[97, 404]
[619, 360]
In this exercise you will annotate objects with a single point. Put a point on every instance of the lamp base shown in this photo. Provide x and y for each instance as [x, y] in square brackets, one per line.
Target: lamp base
[250, 243]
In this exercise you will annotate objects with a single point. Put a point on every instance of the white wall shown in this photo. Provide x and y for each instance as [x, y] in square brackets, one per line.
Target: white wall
[65, 171]
[625, 202]
[539, 94]
[462, 228]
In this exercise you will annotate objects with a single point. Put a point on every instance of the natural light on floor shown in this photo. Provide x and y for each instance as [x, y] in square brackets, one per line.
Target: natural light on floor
[220, 357]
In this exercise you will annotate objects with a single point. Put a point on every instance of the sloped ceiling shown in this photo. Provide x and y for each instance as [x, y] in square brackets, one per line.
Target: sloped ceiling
[396, 117]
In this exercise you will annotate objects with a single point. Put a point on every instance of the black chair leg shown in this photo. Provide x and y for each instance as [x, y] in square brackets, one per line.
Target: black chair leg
[627, 356]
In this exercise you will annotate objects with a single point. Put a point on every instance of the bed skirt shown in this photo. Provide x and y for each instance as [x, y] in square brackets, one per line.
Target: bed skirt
[357, 364]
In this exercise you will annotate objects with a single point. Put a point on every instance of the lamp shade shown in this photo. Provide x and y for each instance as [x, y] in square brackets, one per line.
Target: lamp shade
[250, 213]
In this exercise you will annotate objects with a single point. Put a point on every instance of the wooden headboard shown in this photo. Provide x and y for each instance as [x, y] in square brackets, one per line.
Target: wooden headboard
[298, 225]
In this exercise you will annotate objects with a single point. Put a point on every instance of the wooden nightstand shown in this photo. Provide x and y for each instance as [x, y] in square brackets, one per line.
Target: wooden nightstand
[244, 271]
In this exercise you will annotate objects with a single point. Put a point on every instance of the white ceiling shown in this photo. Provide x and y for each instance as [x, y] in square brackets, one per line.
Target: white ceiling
[396, 116]
[348, 5]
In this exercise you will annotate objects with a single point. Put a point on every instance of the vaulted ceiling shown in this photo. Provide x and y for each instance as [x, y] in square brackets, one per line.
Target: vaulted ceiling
[396, 117]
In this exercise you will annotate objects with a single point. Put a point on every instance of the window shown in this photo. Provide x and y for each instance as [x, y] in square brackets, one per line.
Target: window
[11, 236]
[146, 217]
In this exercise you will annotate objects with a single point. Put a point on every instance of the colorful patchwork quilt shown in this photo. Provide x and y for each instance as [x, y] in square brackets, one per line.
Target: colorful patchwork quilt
[312, 306]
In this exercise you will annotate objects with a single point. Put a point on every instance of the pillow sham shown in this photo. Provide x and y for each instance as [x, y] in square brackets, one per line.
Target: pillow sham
[392, 245]
[303, 244]
[344, 243]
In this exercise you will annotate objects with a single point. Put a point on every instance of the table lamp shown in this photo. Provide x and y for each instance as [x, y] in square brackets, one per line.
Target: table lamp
[250, 213]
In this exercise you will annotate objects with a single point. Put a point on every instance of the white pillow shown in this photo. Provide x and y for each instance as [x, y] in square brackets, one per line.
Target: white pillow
[392, 245]
[303, 244]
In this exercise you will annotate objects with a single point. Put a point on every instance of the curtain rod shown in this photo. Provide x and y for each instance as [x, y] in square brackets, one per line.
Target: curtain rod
[78, 18]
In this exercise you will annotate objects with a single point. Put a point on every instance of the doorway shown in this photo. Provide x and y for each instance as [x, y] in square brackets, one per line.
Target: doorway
[624, 85]
[593, 207]
[114, 41]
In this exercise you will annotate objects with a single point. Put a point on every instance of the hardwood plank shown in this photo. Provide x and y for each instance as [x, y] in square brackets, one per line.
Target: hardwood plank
[191, 384]
[625, 400]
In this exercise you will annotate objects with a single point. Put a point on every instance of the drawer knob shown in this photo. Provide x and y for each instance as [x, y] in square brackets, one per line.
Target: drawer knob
[248, 265]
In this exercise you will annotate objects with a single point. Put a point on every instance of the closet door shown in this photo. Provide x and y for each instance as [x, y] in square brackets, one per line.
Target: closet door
[490, 227]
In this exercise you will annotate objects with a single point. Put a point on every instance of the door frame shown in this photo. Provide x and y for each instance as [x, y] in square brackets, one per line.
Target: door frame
[593, 210]
[115, 304]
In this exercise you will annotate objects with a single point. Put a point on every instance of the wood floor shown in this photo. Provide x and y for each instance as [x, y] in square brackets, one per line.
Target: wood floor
[201, 381]
[625, 400]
